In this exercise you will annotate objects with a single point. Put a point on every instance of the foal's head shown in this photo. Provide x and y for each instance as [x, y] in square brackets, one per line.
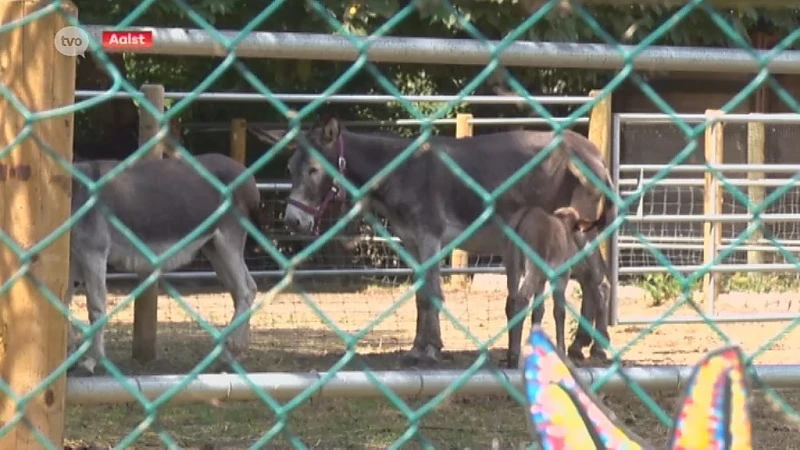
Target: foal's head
[312, 187]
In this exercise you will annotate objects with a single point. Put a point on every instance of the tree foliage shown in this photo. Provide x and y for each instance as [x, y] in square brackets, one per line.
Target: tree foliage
[431, 18]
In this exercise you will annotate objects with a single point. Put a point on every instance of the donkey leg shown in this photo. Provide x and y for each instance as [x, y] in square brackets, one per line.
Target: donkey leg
[75, 278]
[560, 312]
[226, 254]
[532, 284]
[514, 304]
[429, 336]
[601, 319]
[93, 268]
[589, 299]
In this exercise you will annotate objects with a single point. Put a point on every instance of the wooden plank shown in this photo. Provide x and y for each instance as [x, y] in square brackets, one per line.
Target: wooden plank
[33, 333]
[239, 140]
[145, 309]
[712, 205]
[460, 258]
[756, 194]
[600, 134]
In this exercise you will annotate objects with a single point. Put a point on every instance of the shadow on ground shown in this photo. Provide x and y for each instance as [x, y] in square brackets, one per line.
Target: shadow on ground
[181, 346]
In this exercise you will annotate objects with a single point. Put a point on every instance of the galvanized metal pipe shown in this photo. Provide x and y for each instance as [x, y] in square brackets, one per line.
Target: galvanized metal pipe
[716, 318]
[698, 247]
[653, 118]
[684, 239]
[722, 218]
[719, 268]
[725, 240]
[349, 384]
[701, 168]
[312, 46]
[356, 98]
[200, 274]
[695, 182]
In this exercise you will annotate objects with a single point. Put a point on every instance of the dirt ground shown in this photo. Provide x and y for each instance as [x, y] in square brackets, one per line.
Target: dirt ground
[287, 335]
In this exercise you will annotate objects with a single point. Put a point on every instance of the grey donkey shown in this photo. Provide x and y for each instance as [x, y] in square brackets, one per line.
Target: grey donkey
[554, 238]
[161, 202]
[428, 205]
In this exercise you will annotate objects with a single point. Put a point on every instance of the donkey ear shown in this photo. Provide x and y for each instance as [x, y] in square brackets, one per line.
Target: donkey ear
[330, 131]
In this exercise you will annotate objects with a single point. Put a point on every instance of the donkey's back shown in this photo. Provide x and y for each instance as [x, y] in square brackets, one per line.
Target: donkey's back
[160, 201]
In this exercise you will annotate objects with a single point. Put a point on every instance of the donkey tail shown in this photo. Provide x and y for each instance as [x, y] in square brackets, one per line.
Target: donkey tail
[591, 204]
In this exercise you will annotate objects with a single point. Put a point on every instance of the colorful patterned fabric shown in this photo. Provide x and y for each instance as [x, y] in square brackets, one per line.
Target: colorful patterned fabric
[564, 414]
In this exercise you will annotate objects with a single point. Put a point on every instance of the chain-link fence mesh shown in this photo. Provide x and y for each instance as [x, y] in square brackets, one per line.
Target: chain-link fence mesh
[278, 415]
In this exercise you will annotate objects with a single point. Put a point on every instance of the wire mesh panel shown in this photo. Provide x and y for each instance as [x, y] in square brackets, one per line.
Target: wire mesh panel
[308, 367]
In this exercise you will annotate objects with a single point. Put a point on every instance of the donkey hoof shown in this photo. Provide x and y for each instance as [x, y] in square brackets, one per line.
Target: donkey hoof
[411, 357]
[512, 361]
[575, 353]
[432, 355]
[598, 354]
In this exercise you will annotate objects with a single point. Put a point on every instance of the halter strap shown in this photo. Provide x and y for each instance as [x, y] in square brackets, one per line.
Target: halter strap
[335, 192]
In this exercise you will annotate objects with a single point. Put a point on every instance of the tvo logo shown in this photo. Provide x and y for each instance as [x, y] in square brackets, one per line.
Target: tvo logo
[71, 41]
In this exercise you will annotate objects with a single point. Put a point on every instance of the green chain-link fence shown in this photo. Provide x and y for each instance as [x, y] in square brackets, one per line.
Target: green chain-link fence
[282, 412]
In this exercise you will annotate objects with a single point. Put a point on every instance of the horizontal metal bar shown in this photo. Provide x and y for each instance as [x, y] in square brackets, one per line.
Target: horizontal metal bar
[698, 247]
[202, 274]
[722, 318]
[495, 121]
[651, 118]
[404, 49]
[213, 127]
[358, 98]
[721, 218]
[685, 182]
[629, 238]
[682, 239]
[679, 182]
[284, 386]
[274, 186]
[701, 168]
[346, 238]
[699, 182]
[719, 268]
[660, 246]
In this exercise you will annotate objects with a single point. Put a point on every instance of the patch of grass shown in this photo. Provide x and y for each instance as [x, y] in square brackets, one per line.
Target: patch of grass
[761, 283]
[660, 287]
[459, 422]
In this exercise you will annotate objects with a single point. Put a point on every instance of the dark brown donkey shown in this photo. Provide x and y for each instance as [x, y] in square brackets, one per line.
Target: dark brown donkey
[554, 239]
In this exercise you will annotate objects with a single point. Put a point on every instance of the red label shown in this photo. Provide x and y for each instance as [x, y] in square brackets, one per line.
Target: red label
[127, 39]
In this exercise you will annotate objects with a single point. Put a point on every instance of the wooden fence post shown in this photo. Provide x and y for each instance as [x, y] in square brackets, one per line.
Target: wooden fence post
[756, 194]
[712, 205]
[33, 203]
[239, 140]
[145, 308]
[460, 258]
[600, 134]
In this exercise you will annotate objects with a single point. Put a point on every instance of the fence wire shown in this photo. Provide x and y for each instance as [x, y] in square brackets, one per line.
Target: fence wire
[413, 415]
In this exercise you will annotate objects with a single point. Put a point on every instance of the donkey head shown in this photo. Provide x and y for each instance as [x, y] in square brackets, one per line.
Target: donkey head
[312, 187]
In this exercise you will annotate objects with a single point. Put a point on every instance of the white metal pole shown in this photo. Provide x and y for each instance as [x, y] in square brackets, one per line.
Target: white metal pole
[349, 384]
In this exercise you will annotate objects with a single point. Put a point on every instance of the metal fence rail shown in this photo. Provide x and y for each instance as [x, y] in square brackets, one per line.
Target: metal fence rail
[687, 248]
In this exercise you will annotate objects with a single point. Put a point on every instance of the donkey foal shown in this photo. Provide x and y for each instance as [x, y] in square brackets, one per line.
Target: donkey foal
[552, 237]
[160, 201]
